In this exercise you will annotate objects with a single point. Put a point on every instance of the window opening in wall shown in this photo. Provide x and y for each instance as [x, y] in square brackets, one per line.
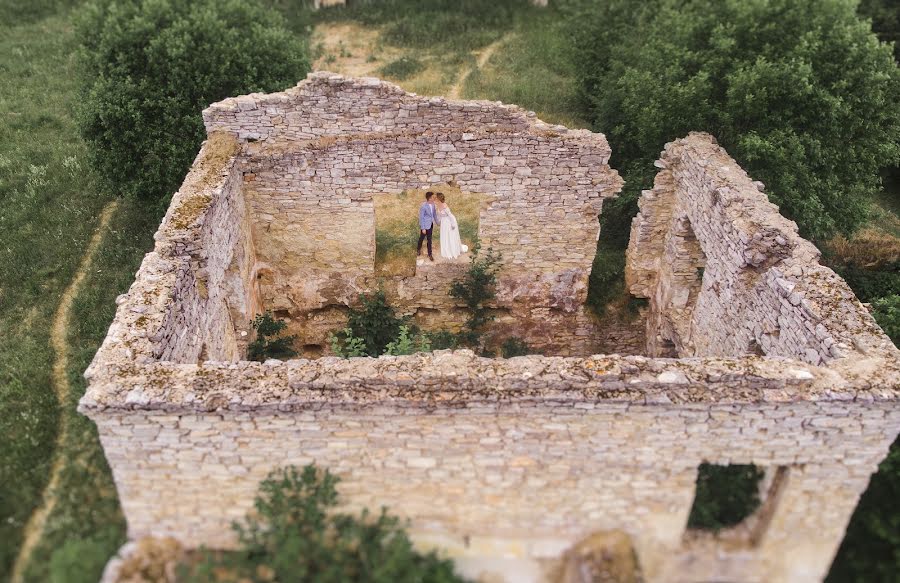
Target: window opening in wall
[725, 495]
[397, 228]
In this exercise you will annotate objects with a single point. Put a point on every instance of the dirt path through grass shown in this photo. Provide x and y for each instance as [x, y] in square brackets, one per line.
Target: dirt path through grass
[483, 57]
[59, 343]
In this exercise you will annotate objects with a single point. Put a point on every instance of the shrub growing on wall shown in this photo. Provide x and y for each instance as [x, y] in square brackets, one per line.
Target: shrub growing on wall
[269, 342]
[375, 322]
[295, 535]
[800, 92]
[476, 289]
[151, 66]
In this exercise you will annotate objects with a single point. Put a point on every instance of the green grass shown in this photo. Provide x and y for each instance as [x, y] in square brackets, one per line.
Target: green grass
[49, 203]
[87, 526]
[532, 69]
[437, 26]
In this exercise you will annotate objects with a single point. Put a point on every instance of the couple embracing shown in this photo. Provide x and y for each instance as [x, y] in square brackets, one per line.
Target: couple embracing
[435, 211]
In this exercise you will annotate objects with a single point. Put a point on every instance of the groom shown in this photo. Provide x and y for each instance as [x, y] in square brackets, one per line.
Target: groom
[427, 219]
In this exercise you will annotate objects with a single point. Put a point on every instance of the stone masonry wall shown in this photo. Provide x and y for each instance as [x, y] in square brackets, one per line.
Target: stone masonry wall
[726, 274]
[517, 459]
[316, 154]
[193, 294]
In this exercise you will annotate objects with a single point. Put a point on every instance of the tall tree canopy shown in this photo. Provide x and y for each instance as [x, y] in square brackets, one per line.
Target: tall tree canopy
[151, 66]
[800, 92]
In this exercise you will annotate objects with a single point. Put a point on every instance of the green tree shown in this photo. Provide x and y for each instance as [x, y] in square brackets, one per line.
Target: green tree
[800, 92]
[150, 68]
[295, 535]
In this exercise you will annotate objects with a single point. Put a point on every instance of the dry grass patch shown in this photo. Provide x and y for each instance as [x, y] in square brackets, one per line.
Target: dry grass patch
[870, 248]
[350, 49]
[397, 226]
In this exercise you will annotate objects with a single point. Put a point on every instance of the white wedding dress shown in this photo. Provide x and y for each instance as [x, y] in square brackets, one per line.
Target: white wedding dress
[451, 246]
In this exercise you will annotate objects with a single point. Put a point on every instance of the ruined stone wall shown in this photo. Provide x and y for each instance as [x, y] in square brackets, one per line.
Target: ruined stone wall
[726, 274]
[519, 458]
[316, 154]
[507, 463]
[193, 294]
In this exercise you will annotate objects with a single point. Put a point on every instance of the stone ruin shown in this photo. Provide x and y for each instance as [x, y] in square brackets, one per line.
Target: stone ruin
[754, 352]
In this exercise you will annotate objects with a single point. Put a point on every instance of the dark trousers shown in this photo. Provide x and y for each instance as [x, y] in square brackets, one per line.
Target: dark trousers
[422, 237]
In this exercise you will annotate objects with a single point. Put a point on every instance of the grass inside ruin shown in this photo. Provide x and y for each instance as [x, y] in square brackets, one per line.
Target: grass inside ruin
[397, 227]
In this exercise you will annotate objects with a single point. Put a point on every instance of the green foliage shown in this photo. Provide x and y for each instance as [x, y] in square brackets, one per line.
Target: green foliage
[269, 342]
[375, 321]
[151, 66]
[514, 347]
[475, 289]
[725, 495]
[871, 284]
[885, 16]
[607, 280]
[403, 68]
[295, 535]
[871, 547]
[800, 92]
[81, 560]
[886, 312]
[442, 340]
[346, 345]
[408, 342]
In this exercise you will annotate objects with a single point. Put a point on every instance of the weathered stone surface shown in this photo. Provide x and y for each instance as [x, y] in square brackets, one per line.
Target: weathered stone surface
[322, 150]
[603, 557]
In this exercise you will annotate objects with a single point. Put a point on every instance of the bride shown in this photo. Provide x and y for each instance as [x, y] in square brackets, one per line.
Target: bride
[451, 246]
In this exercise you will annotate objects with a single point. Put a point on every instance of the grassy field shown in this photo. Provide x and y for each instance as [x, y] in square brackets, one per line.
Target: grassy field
[49, 204]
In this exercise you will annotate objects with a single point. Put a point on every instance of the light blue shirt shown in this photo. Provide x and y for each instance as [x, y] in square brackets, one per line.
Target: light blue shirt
[427, 216]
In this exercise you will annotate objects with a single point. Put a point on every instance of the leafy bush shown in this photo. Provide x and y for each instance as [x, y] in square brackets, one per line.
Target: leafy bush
[442, 340]
[403, 68]
[475, 289]
[870, 548]
[295, 535]
[871, 284]
[81, 560]
[514, 347]
[375, 322]
[886, 312]
[800, 92]
[408, 343]
[346, 345]
[269, 342]
[151, 66]
[725, 495]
